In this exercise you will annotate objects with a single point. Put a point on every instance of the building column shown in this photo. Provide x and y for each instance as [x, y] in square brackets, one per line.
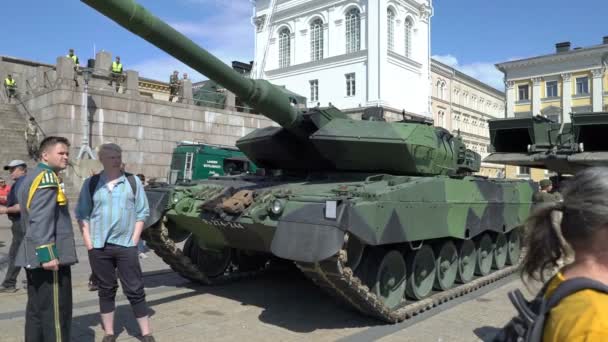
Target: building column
[132, 82]
[536, 95]
[376, 50]
[510, 85]
[566, 96]
[598, 96]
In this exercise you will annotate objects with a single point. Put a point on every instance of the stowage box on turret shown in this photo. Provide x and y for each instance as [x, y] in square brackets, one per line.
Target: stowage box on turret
[380, 214]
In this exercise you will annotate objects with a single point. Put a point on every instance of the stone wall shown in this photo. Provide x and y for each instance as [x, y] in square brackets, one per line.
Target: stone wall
[146, 128]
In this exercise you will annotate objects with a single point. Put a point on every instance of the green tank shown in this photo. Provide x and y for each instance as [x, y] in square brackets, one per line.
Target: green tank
[538, 142]
[385, 216]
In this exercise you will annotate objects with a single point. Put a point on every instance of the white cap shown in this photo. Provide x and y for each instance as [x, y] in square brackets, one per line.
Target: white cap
[13, 163]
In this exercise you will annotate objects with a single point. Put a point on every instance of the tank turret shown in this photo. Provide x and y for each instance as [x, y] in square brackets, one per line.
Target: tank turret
[308, 140]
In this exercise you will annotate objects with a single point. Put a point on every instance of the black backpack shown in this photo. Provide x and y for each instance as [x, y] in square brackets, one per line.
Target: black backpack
[95, 180]
[528, 324]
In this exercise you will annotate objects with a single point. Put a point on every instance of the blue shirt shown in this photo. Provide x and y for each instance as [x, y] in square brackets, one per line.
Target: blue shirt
[112, 214]
[11, 199]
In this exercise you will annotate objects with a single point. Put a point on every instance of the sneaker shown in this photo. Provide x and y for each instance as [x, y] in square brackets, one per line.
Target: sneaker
[109, 338]
[9, 289]
[93, 287]
[143, 256]
[148, 338]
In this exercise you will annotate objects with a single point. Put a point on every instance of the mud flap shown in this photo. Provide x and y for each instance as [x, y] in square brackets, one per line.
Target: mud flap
[306, 242]
[157, 200]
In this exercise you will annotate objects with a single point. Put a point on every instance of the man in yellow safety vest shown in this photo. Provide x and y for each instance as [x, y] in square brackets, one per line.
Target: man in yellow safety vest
[11, 86]
[116, 73]
[74, 58]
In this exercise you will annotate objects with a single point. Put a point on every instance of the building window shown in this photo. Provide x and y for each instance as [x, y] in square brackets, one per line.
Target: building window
[523, 171]
[284, 48]
[390, 16]
[582, 85]
[353, 31]
[409, 25]
[316, 40]
[441, 90]
[552, 89]
[314, 90]
[524, 93]
[350, 84]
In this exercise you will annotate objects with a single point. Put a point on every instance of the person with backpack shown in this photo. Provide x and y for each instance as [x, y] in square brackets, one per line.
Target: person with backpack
[111, 211]
[573, 304]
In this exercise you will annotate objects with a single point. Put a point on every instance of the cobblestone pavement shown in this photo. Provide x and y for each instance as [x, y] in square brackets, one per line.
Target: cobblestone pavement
[270, 307]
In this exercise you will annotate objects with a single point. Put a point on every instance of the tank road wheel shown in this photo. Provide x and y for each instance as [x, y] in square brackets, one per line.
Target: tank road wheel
[447, 265]
[213, 263]
[389, 284]
[421, 264]
[513, 246]
[467, 258]
[500, 251]
[485, 253]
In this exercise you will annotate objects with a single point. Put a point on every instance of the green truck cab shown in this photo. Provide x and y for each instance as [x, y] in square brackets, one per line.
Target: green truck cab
[196, 161]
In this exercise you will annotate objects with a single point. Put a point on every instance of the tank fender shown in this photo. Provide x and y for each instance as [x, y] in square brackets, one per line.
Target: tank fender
[157, 200]
[306, 235]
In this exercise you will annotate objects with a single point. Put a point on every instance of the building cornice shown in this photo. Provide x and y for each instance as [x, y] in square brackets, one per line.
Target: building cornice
[329, 62]
[598, 50]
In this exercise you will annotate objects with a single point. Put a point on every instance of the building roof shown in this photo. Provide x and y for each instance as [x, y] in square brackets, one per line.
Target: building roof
[556, 57]
[461, 75]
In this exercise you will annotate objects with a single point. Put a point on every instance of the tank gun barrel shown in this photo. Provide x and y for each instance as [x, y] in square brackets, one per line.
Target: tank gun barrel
[260, 94]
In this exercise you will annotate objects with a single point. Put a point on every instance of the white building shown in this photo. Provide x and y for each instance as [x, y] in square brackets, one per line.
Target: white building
[352, 53]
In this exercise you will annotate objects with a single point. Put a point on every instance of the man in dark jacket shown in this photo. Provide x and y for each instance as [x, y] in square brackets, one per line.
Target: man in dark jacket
[48, 249]
[18, 170]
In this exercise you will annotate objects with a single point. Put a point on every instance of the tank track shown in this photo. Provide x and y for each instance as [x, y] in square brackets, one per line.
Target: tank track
[157, 238]
[337, 279]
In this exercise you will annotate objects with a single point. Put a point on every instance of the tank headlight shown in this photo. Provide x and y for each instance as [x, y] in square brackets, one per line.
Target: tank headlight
[277, 206]
[581, 147]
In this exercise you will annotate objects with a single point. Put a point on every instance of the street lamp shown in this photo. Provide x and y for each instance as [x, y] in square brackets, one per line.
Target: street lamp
[86, 74]
[85, 147]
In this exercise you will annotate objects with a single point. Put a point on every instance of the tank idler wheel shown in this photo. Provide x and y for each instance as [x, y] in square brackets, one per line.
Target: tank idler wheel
[354, 251]
[485, 253]
[467, 258]
[422, 272]
[213, 263]
[513, 246]
[500, 251]
[447, 265]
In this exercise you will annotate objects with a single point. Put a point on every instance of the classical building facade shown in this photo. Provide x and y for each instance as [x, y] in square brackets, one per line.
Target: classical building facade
[350, 53]
[463, 105]
[555, 85]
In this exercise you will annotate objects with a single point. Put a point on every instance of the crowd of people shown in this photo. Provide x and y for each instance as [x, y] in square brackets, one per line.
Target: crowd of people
[110, 212]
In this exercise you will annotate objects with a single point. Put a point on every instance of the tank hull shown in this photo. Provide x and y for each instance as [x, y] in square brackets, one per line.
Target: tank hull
[378, 211]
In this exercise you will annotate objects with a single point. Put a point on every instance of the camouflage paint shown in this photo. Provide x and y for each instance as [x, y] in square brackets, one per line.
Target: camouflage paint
[380, 210]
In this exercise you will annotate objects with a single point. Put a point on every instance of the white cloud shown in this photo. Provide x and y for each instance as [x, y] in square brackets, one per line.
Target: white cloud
[483, 71]
[225, 30]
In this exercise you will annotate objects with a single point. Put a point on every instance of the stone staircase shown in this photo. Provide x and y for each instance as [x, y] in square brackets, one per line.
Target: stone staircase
[12, 135]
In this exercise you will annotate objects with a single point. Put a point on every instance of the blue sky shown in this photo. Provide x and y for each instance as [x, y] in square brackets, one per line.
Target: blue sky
[470, 35]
